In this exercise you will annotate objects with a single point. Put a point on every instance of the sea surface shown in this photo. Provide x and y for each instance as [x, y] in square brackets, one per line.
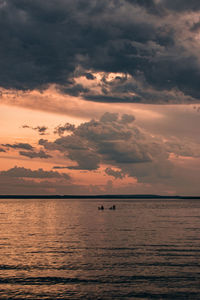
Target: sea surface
[68, 249]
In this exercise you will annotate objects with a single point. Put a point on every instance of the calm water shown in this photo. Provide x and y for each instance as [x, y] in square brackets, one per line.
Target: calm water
[68, 249]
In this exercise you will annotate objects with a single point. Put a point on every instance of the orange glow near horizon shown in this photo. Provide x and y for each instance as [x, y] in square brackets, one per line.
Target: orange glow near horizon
[50, 109]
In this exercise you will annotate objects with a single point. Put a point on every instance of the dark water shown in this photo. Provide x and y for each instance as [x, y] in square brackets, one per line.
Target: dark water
[68, 249]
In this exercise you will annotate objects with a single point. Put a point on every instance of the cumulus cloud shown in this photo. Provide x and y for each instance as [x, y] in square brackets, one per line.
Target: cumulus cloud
[22, 172]
[111, 139]
[128, 150]
[34, 154]
[96, 141]
[149, 42]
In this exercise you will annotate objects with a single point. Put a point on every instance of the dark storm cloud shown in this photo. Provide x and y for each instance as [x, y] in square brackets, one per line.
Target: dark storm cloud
[2, 150]
[24, 146]
[129, 89]
[74, 90]
[34, 154]
[149, 5]
[112, 99]
[161, 7]
[182, 5]
[195, 27]
[28, 173]
[44, 43]
[89, 76]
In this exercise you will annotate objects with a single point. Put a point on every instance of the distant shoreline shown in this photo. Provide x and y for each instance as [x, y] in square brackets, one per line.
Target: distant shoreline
[96, 197]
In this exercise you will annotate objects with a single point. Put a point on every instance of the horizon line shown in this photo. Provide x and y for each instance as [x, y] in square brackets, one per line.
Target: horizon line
[101, 196]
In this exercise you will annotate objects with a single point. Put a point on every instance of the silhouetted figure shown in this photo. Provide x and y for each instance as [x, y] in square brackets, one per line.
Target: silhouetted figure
[113, 207]
[101, 207]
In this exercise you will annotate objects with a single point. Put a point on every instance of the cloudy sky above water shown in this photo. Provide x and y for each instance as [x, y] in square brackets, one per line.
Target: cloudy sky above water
[100, 97]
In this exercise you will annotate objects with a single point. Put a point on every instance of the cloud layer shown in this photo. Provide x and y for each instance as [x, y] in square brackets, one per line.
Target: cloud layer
[153, 44]
[24, 146]
[21, 172]
[126, 149]
[111, 147]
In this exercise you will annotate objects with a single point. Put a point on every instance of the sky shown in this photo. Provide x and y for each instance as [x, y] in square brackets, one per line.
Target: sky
[100, 97]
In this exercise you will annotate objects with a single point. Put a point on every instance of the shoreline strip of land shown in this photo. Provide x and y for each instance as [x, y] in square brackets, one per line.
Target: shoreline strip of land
[112, 196]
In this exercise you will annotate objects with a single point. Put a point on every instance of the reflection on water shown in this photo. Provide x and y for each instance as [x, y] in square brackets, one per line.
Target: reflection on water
[68, 249]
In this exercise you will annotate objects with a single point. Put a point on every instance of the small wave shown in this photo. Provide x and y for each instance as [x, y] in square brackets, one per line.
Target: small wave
[101, 280]
[45, 280]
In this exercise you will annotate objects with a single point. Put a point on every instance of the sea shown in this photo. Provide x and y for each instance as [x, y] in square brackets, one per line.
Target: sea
[68, 249]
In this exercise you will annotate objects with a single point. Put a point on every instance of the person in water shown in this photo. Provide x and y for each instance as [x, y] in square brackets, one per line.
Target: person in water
[101, 207]
[113, 207]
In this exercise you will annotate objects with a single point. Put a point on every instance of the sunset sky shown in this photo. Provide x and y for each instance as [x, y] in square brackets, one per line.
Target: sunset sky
[100, 97]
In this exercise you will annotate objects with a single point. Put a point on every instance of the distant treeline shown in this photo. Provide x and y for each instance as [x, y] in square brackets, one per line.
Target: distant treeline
[96, 197]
